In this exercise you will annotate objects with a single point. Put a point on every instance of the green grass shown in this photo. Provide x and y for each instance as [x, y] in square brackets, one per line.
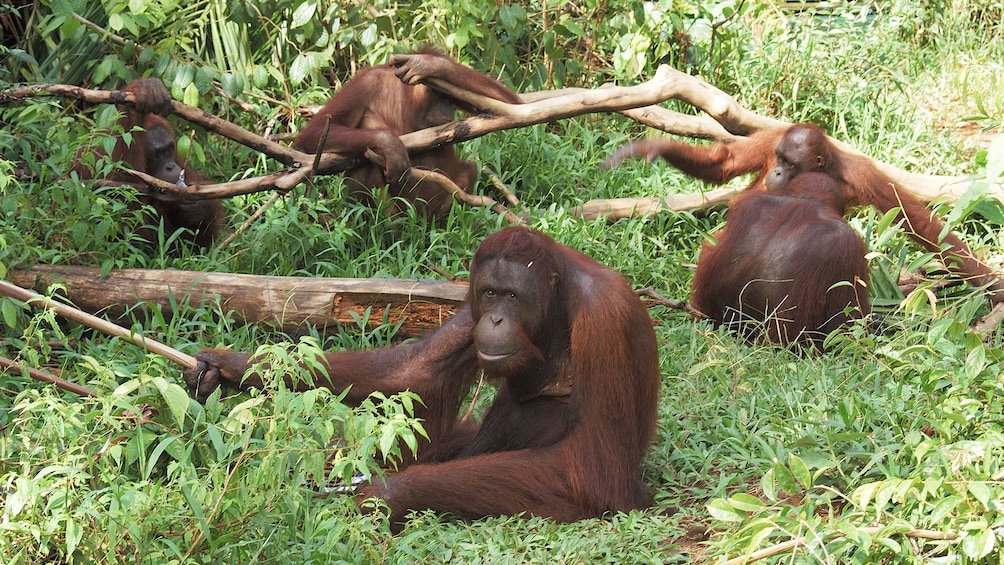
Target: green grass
[755, 445]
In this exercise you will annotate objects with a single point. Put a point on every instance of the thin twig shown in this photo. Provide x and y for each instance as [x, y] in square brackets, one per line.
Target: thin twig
[500, 186]
[103, 32]
[317, 155]
[439, 271]
[425, 175]
[674, 304]
[796, 543]
[474, 399]
[247, 223]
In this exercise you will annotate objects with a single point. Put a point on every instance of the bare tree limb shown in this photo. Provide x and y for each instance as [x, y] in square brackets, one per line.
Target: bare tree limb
[215, 124]
[103, 32]
[665, 85]
[688, 125]
[10, 366]
[460, 195]
[646, 207]
[724, 119]
[285, 155]
[668, 303]
[281, 181]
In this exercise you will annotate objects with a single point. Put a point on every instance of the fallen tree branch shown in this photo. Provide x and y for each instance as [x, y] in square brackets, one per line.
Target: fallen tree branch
[668, 303]
[286, 303]
[47, 377]
[796, 543]
[646, 207]
[461, 195]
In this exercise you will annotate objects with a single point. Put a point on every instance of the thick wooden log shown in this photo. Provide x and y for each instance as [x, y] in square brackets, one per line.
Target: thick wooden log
[287, 303]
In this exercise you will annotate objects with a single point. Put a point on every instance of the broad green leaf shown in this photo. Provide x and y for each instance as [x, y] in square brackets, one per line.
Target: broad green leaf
[573, 27]
[233, 84]
[976, 362]
[303, 14]
[722, 510]
[511, 16]
[943, 508]
[204, 79]
[784, 479]
[977, 544]
[369, 35]
[115, 22]
[259, 76]
[162, 446]
[191, 96]
[768, 485]
[216, 439]
[184, 75]
[126, 388]
[388, 440]
[74, 533]
[995, 158]
[758, 538]
[799, 471]
[303, 65]
[9, 311]
[175, 397]
[980, 492]
[862, 496]
[892, 544]
[746, 502]
[61, 7]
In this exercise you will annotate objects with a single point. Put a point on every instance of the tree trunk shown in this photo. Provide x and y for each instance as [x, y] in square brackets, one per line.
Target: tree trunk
[286, 303]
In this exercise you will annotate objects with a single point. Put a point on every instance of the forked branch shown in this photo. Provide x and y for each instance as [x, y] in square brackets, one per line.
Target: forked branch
[301, 165]
[721, 118]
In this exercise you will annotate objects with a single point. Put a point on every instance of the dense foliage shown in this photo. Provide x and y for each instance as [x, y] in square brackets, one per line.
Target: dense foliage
[871, 452]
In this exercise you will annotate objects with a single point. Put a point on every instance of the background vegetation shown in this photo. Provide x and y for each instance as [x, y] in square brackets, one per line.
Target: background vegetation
[899, 430]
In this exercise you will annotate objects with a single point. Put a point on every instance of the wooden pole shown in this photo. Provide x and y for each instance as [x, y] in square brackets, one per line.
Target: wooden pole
[71, 313]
